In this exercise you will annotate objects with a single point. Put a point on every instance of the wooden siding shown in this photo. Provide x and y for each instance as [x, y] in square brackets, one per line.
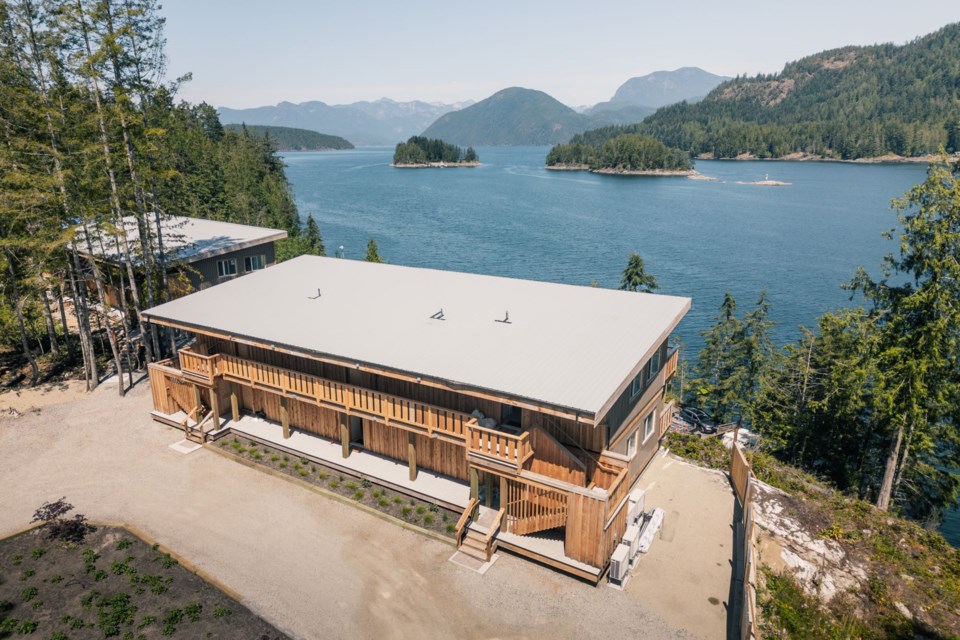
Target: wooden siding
[530, 508]
[567, 432]
[553, 460]
[436, 455]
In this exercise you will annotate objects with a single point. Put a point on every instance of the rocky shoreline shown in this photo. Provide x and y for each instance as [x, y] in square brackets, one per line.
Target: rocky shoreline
[433, 165]
[683, 173]
[889, 158]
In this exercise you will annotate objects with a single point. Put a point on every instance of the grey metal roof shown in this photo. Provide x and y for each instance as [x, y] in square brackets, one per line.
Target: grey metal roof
[186, 239]
[567, 346]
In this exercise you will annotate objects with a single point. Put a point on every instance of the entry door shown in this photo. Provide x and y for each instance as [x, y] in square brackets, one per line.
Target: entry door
[356, 430]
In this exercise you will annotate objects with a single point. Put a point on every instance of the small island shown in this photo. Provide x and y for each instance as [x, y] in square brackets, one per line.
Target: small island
[419, 152]
[627, 154]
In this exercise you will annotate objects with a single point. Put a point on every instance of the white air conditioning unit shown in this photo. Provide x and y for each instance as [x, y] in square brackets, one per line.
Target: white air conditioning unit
[630, 538]
[620, 564]
[650, 530]
[634, 505]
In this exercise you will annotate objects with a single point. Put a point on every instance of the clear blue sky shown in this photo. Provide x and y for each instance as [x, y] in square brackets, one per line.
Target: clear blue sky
[248, 53]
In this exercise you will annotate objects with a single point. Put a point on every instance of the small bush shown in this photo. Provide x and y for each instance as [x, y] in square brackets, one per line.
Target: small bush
[304, 461]
[383, 502]
[405, 511]
[28, 594]
[146, 622]
[172, 618]
[125, 543]
[427, 520]
[323, 475]
[167, 561]
[192, 611]
[397, 500]
[351, 485]
[37, 553]
[286, 458]
[421, 510]
[221, 612]
[707, 452]
[57, 579]
[113, 611]
[59, 635]
[445, 517]
[451, 528]
[283, 465]
[434, 508]
[334, 484]
[366, 484]
[303, 473]
[274, 457]
[358, 495]
[27, 627]
[17, 559]
[257, 456]
[26, 575]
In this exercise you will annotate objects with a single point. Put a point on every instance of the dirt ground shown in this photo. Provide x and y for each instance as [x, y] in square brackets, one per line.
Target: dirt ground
[686, 575]
[316, 568]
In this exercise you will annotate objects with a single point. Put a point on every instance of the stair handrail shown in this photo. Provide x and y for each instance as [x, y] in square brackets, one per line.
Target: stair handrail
[493, 531]
[465, 518]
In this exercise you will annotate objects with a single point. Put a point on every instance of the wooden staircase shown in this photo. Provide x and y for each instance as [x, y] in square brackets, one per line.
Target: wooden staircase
[477, 531]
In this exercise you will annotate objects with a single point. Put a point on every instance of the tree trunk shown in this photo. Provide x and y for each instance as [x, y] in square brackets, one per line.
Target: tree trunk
[886, 486]
[47, 315]
[24, 340]
[82, 311]
[105, 305]
[67, 343]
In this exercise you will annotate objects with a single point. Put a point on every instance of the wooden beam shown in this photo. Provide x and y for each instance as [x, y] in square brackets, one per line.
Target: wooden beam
[488, 490]
[234, 402]
[215, 409]
[503, 491]
[412, 455]
[344, 433]
[196, 397]
[284, 417]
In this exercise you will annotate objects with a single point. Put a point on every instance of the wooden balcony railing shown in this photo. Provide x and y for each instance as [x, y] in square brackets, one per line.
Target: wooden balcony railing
[501, 447]
[194, 364]
[670, 367]
[381, 405]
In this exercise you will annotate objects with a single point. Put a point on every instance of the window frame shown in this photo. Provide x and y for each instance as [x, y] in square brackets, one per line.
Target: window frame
[248, 262]
[649, 422]
[221, 271]
[632, 445]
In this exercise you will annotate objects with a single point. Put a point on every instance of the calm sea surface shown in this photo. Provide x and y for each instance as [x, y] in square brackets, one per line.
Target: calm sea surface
[512, 217]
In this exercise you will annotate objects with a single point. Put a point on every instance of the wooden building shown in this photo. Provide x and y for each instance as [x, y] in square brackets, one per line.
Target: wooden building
[544, 402]
[198, 253]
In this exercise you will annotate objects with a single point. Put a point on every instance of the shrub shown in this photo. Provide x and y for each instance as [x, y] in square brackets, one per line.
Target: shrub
[172, 618]
[428, 520]
[25, 575]
[28, 594]
[351, 485]
[283, 465]
[421, 510]
[146, 622]
[451, 528]
[358, 495]
[445, 517]
[167, 561]
[397, 500]
[192, 611]
[57, 579]
[334, 484]
[37, 553]
[383, 502]
[59, 635]
[58, 526]
[323, 475]
[17, 559]
[113, 611]
[434, 508]
[256, 455]
[366, 484]
[221, 612]
[304, 461]
[405, 511]
[707, 452]
[274, 458]
[286, 458]
[125, 543]
[303, 473]
[27, 627]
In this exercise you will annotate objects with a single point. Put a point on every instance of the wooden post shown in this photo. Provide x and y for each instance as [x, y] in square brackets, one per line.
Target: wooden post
[474, 483]
[503, 492]
[488, 490]
[234, 402]
[196, 398]
[215, 408]
[344, 433]
[412, 455]
[284, 417]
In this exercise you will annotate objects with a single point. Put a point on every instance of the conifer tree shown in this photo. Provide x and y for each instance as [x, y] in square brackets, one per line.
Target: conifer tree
[373, 253]
[635, 276]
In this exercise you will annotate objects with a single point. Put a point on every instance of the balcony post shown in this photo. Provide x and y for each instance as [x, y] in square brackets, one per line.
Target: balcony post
[215, 408]
[284, 417]
[234, 402]
[474, 483]
[196, 396]
[412, 455]
[488, 490]
[344, 433]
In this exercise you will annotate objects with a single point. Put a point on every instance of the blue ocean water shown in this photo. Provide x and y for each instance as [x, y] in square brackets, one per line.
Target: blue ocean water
[512, 217]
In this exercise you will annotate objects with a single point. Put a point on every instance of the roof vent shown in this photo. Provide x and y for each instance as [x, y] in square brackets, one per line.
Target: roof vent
[314, 297]
[506, 319]
[438, 315]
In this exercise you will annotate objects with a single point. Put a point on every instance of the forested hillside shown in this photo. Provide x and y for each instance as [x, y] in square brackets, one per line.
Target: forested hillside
[92, 135]
[513, 116]
[293, 139]
[854, 102]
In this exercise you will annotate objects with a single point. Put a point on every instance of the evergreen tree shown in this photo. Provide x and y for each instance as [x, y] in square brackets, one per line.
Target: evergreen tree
[635, 276]
[373, 254]
[717, 373]
[312, 239]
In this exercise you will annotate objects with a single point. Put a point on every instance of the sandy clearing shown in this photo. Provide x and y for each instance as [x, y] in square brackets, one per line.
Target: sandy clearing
[313, 567]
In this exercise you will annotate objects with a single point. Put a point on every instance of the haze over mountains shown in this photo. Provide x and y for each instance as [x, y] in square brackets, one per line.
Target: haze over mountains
[513, 116]
[379, 122]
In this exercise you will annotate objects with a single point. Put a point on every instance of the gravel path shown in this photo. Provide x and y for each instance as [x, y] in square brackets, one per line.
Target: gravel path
[313, 567]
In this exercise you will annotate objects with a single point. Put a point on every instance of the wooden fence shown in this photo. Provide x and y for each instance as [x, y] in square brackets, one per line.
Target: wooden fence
[741, 476]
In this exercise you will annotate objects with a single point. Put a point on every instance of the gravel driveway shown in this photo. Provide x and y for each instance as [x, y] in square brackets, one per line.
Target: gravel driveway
[311, 566]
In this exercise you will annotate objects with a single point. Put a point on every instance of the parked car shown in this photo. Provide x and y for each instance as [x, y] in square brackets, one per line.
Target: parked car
[698, 419]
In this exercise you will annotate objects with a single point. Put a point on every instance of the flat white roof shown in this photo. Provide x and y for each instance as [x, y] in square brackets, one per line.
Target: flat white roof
[567, 346]
[186, 239]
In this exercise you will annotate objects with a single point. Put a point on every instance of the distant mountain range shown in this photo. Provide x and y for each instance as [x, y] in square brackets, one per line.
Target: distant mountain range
[382, 122]
[513, 116]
